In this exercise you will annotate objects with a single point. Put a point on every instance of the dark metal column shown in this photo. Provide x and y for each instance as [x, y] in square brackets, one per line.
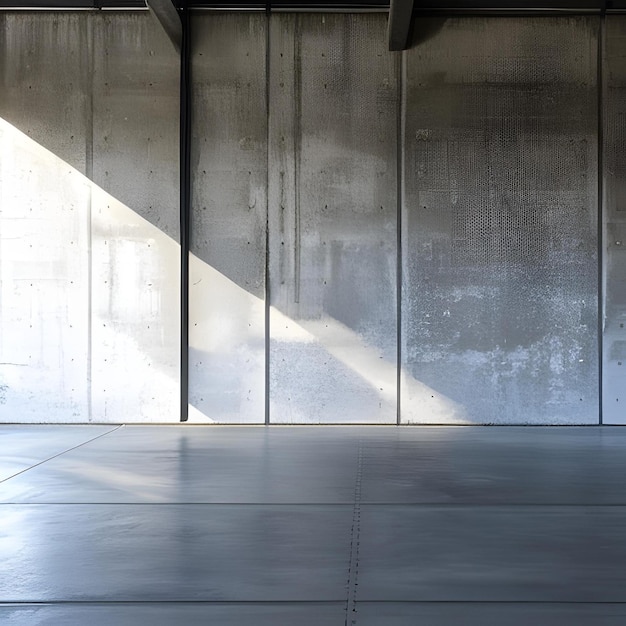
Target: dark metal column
[185, 204]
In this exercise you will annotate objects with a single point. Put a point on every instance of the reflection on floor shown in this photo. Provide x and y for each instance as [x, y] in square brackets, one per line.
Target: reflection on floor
[312, 525]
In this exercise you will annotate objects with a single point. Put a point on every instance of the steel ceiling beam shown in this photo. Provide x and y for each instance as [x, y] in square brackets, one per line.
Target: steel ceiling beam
[167, 14]
[400, 13]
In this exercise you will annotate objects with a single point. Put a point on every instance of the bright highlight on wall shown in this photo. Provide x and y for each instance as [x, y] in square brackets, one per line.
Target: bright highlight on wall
[88, 305]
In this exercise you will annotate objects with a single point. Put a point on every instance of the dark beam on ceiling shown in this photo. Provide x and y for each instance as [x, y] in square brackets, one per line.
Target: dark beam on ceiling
[400, 12]
[169, 19]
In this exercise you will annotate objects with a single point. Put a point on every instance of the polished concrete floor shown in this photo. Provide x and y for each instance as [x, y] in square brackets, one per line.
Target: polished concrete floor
[162, 525]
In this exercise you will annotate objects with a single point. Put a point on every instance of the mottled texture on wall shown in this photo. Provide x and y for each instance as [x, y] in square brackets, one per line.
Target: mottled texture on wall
[500, 221]
[44, 224]
[229, 214]
[135, 256]
[321, 164]
[333, 230]
[88, 224]
[614, 322]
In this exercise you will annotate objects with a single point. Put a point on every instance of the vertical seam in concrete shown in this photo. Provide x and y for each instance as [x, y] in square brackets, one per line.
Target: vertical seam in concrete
[89, 136]
[400, 123]
[600, 216]
[185, 210]
[355, 545]
[267, 215]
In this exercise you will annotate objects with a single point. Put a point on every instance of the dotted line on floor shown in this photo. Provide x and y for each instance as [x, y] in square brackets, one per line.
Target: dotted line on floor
[355, 545]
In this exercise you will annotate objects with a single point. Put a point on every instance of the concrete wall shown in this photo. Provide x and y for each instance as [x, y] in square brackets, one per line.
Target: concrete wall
[326, 173]
[500, 211]
[229, 214]
[485, 133]
[88, 225]
[333, 225]
[614, 240]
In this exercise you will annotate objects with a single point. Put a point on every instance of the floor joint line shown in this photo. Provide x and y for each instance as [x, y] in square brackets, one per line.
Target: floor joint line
[80, 445]
[355, 545]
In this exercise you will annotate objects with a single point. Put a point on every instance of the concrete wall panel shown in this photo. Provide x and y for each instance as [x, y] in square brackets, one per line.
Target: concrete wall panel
[90, 289]
[500, 222]
[229, 213]
[44, 218]
[135, 221]
[614, 322]
[333, 128]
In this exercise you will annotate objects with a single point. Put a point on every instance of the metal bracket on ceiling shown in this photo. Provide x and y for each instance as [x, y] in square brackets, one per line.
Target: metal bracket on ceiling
[167, 14]
[400, 13]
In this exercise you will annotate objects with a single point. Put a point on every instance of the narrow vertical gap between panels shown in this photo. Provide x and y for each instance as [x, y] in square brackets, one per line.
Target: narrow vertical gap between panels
[267, 213]
[185, 204]
[600, 234]
[400, 77]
